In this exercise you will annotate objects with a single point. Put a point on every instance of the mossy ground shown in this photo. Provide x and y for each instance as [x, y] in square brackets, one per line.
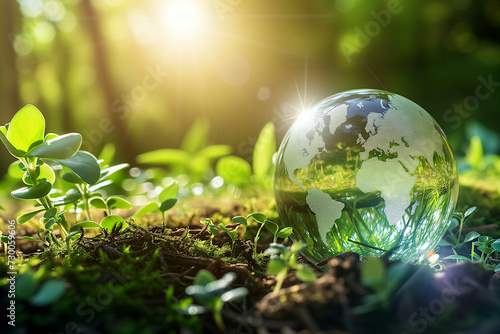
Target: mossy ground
[134, 281]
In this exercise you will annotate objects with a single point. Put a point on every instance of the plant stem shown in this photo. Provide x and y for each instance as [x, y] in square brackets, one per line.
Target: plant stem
[256, 240]
[218, 316]
[280, 278]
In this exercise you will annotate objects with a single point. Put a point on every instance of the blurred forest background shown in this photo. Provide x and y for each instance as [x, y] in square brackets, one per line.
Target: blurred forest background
[138, 73]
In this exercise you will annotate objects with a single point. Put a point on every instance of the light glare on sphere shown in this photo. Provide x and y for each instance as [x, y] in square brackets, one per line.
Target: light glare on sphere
[366, 171]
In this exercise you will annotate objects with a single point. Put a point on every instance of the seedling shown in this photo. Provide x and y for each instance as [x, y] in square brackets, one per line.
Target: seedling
[166, 200]
[232, 234]
[285, 258]
[211, 228]
[37, 153]
[211, 295]
[90, 196]
[458, 220]
[270, 225]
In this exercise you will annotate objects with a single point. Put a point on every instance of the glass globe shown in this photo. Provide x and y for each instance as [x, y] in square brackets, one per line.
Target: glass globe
[366, 171]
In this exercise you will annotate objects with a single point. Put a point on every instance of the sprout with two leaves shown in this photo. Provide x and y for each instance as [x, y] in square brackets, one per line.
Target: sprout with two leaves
[211, 294]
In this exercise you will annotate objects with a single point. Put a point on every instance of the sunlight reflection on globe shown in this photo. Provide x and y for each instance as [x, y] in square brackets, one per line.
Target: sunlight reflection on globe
[366, 171]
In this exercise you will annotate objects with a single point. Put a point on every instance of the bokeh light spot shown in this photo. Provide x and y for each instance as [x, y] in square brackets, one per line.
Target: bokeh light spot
[263, 93]
[235, 70]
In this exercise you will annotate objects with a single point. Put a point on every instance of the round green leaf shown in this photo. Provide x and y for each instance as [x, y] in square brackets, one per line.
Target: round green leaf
[168, 204]
[203, 277]
[71, 178]
[285, 232]
[26, 129]
[258, 217]
[109, 222]
[98, 203]
[84, 224]
[169, 192]
[50, 213]
[62, 147]
[240, 220]
[40, 190]
[271, 226]
[49, 293]
[26, 285]
[275, 266]
[147, 208]
[84, 165]
[115, 202]
[305, 274]
[12, 150]
[234, 170]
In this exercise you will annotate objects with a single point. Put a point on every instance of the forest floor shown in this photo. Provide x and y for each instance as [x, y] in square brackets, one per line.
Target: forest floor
[135, 280]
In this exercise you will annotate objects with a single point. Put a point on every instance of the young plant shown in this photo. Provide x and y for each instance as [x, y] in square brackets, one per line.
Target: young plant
[458, 221]
[25, 139]
[270, 225]
[285, 258]
[211, 228]
[166, 200]
[232, 234]
[90, 196]
[211, 295]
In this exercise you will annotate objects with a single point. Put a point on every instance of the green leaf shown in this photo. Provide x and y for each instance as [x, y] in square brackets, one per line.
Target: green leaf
[474, 155]
[373, 272]
[258, 217]
[115, 202]
[240, 220]
[5, 239]
[265, 147]
[271, 226]
[486, 250]
[71, 178]
[164, 156]
[168, 204]
[44, 172]
[49, 293]
[213, 229]
[169, 192]
[98, 203]
[471, 236]
[50, 223]
[234, 170]
[26, 129]
[196, 136]
[84, 165]
[31, 239]
[223, 228]
[470, 211]
[234, 295]
[50, 136]
[12, 150]
[26, 285]
[275, 266]
[285, 232]
[71, 235]
[71, 196]
[109, 222]
[298, 247]
[40, 190]
[214, 151]
[50, 213]
[496, 245]
[444, 243]
[84, 224]
[203, 277]
[62, 147]
[27, 216]
[1, 207]
[222, 283]
[111, 170]
[305, 274]
[145, 209]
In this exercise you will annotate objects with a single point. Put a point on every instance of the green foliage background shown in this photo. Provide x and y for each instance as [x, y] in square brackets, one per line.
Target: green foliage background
[80, 61]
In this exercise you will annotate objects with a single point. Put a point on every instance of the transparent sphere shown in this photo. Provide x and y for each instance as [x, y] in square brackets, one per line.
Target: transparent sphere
[366, 171]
